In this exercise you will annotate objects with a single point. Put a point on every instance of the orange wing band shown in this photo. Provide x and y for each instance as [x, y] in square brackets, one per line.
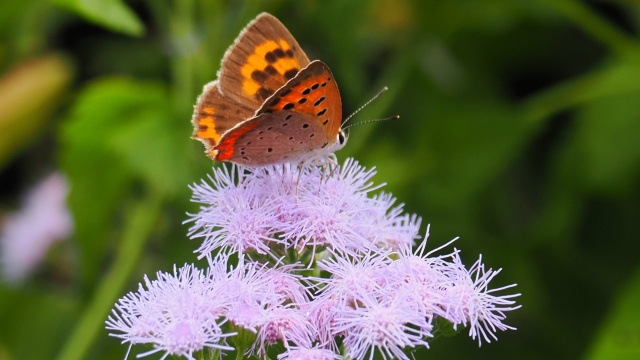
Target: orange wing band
[225, 149]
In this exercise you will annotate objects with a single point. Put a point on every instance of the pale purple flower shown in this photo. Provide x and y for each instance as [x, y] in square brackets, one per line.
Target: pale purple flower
[177, 313]
[27, 234]
[421, 277]
[389, 227]
[307, 208]
[338, 213]
[287, 325]
[255, 289]
[235, 218]
[442, 286]
[386, 327]
[468, 300]
[288, 283]
[321, 313]
[353, 278]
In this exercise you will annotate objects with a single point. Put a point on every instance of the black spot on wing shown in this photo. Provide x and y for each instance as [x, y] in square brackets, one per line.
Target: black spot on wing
[271, 57]
[259, 76]
[290, 74]
[279, 53]
[263, 94]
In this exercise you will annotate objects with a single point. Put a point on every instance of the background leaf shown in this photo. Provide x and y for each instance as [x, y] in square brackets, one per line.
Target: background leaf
[112, 14]
[29, 94]
[618, 339]
[118, 133]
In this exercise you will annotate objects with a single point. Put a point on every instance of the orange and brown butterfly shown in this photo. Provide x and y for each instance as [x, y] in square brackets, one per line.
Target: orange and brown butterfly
[270, 104]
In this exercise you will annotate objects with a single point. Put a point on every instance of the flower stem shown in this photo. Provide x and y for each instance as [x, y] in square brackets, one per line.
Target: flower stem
[142, 218]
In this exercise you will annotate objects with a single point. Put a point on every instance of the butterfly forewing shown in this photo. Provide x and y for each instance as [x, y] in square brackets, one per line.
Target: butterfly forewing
[261, 60]
[215, 114]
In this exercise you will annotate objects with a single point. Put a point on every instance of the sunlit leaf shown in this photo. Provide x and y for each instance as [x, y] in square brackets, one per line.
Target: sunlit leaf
[619, 337]
[28, 96]
[112, 14]
[119, 132]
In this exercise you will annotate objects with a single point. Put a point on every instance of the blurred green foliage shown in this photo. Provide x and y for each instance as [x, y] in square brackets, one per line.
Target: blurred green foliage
[519, 132]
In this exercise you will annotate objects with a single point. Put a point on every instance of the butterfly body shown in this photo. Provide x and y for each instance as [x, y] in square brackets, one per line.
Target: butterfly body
[270, 104]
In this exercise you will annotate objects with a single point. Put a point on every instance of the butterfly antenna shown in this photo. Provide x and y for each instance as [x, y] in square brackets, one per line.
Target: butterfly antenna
[363, 106]
[371, 121]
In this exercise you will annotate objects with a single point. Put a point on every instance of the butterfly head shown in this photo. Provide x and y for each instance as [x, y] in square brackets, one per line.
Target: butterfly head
[341, 140]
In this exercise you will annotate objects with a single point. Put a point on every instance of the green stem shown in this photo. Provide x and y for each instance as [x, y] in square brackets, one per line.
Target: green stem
[141, 222]
[611, 80]
[239, 355]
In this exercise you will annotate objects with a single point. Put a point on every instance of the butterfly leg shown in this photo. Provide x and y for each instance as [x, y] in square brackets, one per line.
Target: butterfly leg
[300, 170]
[284, 175]
[333, 165]
[241, 173]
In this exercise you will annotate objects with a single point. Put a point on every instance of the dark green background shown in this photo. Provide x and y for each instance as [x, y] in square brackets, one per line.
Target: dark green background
[519, 132]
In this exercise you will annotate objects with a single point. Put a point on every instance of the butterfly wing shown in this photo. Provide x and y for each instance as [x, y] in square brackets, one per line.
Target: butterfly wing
[261, 60]
[214, 114]
[273, 138]
[299, 121]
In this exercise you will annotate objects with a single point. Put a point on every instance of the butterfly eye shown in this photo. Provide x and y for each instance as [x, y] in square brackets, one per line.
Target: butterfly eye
[342, 136]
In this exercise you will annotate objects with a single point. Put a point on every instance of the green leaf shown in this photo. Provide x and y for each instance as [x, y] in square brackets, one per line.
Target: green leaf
[608, 137]
[119, 132]
[112, 14]
[619, 338]
[28, 95]
[601, 153]
[154, 144]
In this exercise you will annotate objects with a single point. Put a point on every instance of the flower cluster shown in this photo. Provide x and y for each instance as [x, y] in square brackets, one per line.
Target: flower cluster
[324, 270]
[283, 207]
[27, 234]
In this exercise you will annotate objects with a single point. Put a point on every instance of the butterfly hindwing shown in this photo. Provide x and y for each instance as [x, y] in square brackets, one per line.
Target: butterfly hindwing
[313, 92]
[215, 114]
[261, 60]
[273, 138]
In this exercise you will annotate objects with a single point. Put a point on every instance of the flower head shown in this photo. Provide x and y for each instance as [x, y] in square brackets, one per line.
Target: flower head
[469, 301]
[386, 326]
[236, 217]
[177, 313]
[307, 208]
[288, 325]
[354, 278]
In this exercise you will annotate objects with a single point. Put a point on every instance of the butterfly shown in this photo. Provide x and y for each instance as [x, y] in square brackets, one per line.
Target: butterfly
[270, 104]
